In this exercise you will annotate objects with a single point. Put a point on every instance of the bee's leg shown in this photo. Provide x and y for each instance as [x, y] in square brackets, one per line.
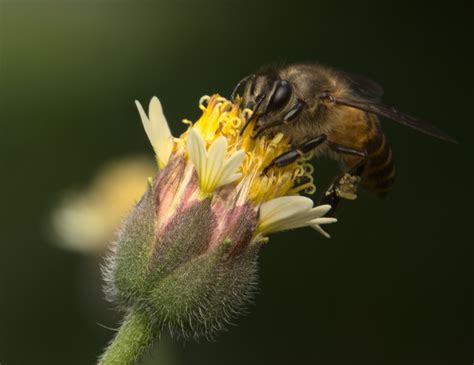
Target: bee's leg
[346, 185]
[346, 150]
[288, 117]
[291, 156]
[255, 113]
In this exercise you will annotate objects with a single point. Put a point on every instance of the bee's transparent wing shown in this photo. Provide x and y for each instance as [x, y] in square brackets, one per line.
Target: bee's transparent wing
[390, 112]
[363, 86]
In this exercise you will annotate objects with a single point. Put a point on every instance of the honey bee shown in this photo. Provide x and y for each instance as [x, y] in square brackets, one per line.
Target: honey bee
[332, 113]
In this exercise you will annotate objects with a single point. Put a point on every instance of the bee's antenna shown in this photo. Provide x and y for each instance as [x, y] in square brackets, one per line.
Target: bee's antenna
[239, 84]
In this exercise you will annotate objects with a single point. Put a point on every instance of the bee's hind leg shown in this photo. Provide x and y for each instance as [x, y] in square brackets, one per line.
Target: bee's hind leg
[344, 186]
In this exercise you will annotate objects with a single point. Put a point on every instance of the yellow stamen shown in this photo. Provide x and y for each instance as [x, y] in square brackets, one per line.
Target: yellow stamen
[223, 118]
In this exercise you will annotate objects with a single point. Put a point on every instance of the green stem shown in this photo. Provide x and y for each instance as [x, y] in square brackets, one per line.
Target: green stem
[133, 338]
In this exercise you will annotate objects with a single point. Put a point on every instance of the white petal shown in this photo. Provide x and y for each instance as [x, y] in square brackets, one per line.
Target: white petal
[233, 163]
[156, 115]
[145, 121]
[197, 152]
[321, 210]
[157, 130]
[211, 167]
[296, 221]
[313, 213]
[215, 163]
[286, 213]
[322, 231]
[163, 144]
[324, 220]
[231, 178]
[275, 212]
[228, 174]
[284, 207]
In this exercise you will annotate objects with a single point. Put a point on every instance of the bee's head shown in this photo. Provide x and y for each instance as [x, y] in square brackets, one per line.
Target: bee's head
[265, 93]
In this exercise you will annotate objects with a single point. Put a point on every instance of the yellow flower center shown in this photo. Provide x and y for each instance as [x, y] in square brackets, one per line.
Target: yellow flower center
[223, 118]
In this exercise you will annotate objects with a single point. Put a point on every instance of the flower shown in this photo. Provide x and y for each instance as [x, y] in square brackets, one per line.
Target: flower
[187, 254]
[214, 170]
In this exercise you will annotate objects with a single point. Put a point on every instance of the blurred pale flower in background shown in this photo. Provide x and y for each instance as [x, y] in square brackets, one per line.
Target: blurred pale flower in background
[86, 220]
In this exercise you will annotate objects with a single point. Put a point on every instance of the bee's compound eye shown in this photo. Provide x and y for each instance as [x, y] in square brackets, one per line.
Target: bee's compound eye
[281, 96]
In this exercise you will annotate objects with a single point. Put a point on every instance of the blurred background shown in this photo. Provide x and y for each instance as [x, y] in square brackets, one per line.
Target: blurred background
[393, 285]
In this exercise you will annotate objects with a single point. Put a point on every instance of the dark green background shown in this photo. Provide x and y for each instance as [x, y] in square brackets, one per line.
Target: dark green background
[393, 285]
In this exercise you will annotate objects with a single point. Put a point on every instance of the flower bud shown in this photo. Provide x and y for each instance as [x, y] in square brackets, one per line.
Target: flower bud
[187, 254]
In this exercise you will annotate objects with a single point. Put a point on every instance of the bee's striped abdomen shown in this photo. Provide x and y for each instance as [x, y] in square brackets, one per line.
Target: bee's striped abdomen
[379, 173]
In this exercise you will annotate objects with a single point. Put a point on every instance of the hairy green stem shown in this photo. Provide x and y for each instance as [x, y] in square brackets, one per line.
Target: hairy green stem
[134, 336]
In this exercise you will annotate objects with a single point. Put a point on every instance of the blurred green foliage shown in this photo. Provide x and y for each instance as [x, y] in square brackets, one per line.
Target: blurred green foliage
[393, 285]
